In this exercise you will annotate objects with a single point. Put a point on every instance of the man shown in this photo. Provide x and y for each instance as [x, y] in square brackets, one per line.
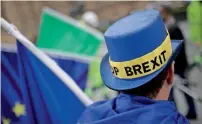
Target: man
[90, 18]
[139, 65]
[194, 18]
[95, 89]
[181, 62]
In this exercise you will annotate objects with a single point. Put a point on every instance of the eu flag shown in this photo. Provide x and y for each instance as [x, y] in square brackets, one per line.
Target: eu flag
[32, 93]
[76, 68]
[13, 108]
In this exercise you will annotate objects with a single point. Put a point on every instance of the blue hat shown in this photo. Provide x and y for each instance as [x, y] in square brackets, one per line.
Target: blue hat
[139, 48]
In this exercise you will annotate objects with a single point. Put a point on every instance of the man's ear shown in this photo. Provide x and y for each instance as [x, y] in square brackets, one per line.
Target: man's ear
[170, 74]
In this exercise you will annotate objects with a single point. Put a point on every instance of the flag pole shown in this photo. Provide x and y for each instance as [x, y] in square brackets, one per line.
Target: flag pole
[52, 65]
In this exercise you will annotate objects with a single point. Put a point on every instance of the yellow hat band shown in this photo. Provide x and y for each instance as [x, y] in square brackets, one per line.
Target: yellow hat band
[144, 65]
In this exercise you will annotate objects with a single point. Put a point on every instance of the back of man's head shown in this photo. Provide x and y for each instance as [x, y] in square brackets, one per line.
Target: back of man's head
[152, 88]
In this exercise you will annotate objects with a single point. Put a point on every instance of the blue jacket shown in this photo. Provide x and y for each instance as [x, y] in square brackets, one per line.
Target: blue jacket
[128, 109]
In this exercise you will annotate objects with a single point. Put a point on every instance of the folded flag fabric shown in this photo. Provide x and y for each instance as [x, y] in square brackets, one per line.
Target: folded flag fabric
[77, 69]
[32, 93]
[11, 96]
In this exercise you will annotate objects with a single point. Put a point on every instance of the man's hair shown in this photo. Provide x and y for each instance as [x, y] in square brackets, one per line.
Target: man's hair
[151, 88]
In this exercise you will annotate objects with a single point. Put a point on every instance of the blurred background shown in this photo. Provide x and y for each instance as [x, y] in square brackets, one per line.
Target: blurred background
[185, 15]
[27, 14]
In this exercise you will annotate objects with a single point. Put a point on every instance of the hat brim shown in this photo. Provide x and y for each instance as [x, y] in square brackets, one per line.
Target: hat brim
[126, 84]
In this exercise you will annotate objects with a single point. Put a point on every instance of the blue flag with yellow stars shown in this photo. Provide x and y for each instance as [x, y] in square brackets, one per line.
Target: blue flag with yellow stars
[77, 69]
[13, 108]
[32, 94]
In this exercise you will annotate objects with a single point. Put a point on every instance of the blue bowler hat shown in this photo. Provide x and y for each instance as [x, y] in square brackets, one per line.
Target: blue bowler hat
[139, 48]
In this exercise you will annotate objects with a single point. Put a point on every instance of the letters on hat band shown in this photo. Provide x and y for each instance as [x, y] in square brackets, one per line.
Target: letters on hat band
[144, 65]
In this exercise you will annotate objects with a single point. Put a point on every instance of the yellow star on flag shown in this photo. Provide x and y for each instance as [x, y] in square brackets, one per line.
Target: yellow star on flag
[6, 121]
[19, 109]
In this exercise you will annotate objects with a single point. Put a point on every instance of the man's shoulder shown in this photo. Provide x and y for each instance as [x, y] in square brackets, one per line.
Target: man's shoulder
[96, 106]
[95, 111]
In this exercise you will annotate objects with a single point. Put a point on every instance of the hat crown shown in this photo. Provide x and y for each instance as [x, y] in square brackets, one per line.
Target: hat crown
[135, 35]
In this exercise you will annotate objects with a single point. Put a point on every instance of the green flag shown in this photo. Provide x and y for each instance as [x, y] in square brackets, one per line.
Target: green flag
[64, 34]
